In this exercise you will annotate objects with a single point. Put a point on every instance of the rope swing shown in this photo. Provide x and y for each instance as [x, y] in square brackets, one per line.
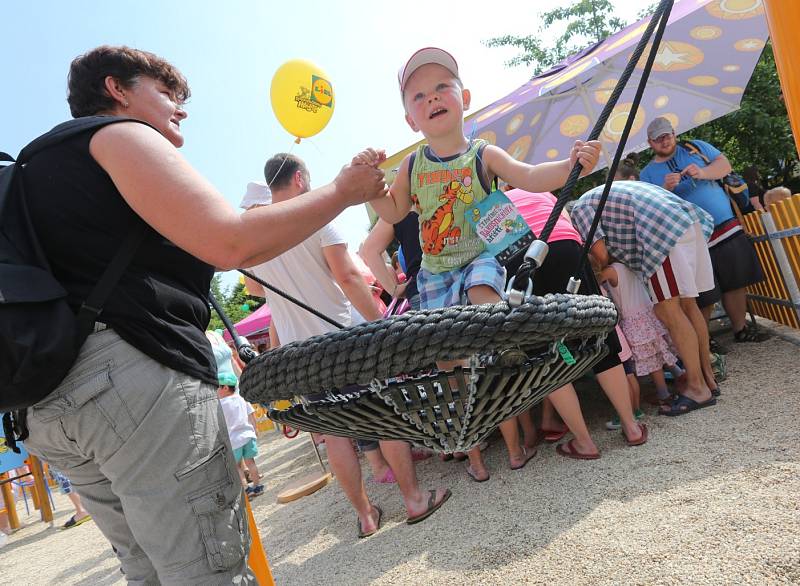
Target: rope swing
[378, 380]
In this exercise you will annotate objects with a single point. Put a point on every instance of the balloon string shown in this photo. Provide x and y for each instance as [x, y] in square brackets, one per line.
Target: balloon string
[283, 162]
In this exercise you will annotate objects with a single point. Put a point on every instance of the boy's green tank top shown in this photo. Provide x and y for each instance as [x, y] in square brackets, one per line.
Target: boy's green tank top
[444, 193]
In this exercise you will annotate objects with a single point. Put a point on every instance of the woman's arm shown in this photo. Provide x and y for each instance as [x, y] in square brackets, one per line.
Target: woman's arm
[173, 198]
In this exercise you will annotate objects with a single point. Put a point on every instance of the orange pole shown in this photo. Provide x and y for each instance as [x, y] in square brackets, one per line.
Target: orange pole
[40, 487]
[258, 557]
[783, 17]
[8, 502]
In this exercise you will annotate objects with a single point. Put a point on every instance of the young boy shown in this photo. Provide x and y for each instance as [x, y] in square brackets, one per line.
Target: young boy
[442, 179]
[239, 420]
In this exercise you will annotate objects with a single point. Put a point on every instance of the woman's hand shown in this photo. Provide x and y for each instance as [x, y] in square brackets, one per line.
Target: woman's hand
[358, 183]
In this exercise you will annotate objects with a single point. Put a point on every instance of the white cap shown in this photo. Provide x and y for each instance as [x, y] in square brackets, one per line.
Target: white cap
[257, 194]
[426, 56]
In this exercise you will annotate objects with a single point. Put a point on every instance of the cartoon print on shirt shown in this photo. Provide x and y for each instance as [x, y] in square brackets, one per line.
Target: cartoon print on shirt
[439, 230]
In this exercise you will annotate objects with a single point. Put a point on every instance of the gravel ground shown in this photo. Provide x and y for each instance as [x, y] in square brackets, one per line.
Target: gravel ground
[711, 499]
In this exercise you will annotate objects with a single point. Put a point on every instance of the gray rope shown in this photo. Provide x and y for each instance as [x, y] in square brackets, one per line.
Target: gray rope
[407, 343]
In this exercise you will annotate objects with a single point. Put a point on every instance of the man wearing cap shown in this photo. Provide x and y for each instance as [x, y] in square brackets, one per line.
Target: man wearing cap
[320, 272]
[733, 257]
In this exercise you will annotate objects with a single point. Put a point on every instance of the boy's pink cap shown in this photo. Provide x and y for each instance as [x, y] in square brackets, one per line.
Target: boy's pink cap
[425, 56]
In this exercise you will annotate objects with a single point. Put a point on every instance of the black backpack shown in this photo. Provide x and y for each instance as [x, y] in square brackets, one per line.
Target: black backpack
[40, 336]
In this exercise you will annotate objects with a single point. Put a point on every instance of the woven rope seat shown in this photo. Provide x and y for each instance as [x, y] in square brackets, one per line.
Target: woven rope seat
[377, 380]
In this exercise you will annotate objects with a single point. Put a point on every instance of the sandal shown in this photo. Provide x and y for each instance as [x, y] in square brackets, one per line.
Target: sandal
[750, 333]
[527, 457]
[433, 506]
[637, 442]
[361, 533]
[568, 450]
[553, 435]
[683, 405]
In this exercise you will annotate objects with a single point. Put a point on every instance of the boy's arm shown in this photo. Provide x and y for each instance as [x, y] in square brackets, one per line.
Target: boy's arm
[395, 205]
[544, 176]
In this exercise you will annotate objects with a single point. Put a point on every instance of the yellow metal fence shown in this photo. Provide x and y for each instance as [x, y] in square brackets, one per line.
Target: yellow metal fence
[776, 236]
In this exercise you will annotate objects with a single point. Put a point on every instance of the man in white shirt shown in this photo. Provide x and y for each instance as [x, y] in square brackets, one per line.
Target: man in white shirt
[321, 273]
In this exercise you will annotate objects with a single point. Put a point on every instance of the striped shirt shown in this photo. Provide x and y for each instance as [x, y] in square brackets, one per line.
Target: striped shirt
[641, 223]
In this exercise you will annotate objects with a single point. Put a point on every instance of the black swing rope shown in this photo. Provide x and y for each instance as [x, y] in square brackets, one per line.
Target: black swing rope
[528, 267]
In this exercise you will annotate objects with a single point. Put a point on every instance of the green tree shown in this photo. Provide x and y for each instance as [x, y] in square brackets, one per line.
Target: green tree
[233, 300]
[587, 22]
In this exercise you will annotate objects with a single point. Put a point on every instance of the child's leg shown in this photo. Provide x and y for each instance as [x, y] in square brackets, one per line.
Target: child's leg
[242, 478]
[528, 430]
[255, 477]
[478, 295]
[633, 387]
[661, 384]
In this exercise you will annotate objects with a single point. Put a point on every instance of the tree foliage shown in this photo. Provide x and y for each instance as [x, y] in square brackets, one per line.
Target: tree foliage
[233, 300]
[587, 22]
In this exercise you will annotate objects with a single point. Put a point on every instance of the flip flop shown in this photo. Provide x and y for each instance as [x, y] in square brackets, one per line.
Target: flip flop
[716, 392]
[433, 506]
[637, 442]
[553, 435]
[72, 522]
[683, 405]
[568, 451]
[361, 533]
[528, 457]
[471, 474]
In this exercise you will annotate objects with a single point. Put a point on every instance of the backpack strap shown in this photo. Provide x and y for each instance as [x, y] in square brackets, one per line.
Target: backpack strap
[90, 309]
[694, 150]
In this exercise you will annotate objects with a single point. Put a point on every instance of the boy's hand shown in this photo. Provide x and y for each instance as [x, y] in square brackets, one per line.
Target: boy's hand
[359, 183]
[586, 153]
[370, 156]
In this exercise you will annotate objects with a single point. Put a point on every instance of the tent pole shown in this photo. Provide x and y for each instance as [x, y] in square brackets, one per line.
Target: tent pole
[783, 19]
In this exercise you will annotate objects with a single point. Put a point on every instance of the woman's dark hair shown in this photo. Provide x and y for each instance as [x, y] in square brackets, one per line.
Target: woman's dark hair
[87, 94]
[751, 175]
[280, 169]
[629, 167]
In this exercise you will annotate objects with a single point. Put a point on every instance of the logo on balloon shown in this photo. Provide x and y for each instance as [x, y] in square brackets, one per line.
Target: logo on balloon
[321, 91]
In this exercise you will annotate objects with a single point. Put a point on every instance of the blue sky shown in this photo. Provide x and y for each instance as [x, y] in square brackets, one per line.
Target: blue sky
[229, 52]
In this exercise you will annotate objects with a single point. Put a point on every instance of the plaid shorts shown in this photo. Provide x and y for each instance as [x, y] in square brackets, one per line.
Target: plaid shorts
[450, 288]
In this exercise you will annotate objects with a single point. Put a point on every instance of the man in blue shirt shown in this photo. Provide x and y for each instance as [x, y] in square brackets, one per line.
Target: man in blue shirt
[733, 256]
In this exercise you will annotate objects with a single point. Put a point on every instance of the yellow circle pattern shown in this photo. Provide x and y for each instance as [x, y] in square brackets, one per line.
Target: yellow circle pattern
[749, 45]
[496, 110]
[520, 147]
[706, 33]
[702, 116]
[735, 9]
[488, 136]
[514, 124]
[551, 154]
[604, 89]
[732, 90]
[661, 102]
[616, 122]
[674, 56]
[732, 68]
[574, 126]
[703, 80]
[535, 119]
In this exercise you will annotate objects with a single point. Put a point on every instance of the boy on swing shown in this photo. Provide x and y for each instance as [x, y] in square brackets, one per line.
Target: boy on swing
[442, 180]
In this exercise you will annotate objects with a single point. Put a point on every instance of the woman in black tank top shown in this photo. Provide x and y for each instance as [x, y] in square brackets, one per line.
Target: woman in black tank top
[139, 410]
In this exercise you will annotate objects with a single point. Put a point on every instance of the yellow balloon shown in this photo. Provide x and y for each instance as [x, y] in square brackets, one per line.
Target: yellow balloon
[302, 98]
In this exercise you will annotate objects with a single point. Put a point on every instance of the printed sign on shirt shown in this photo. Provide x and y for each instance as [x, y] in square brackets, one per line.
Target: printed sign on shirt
[500, 226]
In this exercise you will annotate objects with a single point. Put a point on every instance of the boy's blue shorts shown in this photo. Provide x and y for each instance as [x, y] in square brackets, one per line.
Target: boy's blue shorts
[450, 288]
[247, 451]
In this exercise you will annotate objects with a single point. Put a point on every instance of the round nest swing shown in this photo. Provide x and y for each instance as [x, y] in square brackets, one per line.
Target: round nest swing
[378, 380]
